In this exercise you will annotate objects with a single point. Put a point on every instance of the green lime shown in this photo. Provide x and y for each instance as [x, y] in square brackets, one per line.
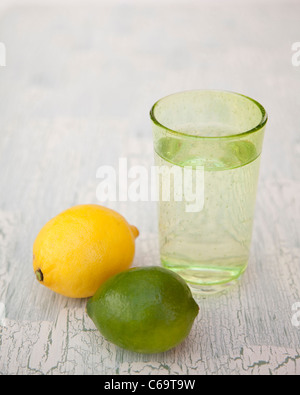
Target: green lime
[145, 309]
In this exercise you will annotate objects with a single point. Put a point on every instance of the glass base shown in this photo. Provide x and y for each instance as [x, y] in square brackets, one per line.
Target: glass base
[200, 289]
[209, 280]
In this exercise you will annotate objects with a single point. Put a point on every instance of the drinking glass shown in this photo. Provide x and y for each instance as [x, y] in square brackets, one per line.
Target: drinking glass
[217, 136]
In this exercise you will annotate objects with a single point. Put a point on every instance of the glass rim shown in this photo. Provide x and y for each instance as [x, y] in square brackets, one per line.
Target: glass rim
[259, 126]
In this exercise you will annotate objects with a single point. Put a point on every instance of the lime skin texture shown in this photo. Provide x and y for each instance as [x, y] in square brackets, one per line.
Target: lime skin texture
[144, 309]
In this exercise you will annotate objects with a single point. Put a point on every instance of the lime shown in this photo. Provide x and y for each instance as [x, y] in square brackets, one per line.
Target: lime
[144, 309]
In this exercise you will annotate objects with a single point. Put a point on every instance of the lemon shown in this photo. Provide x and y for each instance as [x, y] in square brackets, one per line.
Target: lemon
[82, 247]
[146, 310]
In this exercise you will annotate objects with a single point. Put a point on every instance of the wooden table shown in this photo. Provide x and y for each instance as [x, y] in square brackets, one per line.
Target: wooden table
[75, 95]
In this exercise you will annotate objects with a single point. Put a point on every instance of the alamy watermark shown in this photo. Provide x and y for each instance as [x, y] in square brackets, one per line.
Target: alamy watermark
[2, 314]
[296, 316]
[159, 183]
[2, 55]
[296, 54]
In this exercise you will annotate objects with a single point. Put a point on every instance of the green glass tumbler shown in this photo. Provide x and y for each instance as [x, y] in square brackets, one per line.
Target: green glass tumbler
[221, 133]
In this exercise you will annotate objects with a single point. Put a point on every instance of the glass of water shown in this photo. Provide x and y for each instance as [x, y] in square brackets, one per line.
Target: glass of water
[207, 146]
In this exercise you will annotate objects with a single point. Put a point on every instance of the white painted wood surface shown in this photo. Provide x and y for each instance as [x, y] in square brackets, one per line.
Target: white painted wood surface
[75, 95]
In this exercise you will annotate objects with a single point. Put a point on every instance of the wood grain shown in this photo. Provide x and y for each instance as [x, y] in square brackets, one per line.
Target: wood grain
[75, 95]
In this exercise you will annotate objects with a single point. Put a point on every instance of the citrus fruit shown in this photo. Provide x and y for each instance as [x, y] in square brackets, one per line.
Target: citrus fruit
[82, 247]
[145, 309]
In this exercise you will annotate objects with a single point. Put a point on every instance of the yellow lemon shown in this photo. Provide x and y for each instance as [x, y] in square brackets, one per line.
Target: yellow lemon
[82, 247]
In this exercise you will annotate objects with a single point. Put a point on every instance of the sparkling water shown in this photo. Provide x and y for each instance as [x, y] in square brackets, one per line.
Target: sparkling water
[209, 248]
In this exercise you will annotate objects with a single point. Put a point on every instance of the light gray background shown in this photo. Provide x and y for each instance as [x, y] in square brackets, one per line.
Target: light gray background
[75, 95]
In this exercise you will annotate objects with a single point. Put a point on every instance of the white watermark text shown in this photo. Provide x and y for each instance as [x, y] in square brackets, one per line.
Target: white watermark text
[167, 183]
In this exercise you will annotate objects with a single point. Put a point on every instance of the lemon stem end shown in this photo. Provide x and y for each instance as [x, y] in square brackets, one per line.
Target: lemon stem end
[39, 275]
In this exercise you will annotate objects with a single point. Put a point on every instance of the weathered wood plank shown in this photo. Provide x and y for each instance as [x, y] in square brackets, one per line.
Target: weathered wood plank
[75, 95]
